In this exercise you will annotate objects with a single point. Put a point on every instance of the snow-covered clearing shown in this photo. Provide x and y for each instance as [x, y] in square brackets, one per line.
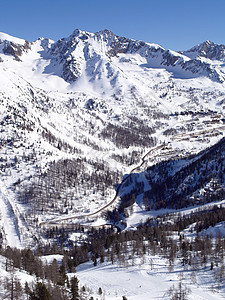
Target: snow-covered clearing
[149, 280]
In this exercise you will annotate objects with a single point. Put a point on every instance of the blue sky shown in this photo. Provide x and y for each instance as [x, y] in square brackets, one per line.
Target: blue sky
[174, 24]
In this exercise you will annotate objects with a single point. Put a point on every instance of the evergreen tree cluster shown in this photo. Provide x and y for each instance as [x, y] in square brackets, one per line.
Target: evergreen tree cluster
[179, 183]
[52, 283]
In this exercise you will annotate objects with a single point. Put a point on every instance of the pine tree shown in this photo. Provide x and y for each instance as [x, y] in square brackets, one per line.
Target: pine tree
[100, 291]
[27, 290]
[40, 293]
[74, 288]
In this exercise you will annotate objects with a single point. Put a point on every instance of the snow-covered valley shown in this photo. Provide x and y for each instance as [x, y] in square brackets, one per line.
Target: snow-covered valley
[100, 130]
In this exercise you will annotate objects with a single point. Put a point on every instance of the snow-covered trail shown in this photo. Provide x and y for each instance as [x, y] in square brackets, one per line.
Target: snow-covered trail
[9, 220]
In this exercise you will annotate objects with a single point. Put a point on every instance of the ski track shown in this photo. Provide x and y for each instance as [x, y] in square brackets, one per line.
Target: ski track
[9, 220]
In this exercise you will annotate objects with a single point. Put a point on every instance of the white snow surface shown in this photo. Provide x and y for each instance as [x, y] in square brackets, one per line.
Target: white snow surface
[7, 37]
[134, 83]
[9, 218]
[35, 93]
[150, 280]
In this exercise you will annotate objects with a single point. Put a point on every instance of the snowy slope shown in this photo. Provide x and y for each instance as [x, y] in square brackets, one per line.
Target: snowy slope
[143, 281]
[179, 183]
[9, 38]
[95, 103]
[79, 116]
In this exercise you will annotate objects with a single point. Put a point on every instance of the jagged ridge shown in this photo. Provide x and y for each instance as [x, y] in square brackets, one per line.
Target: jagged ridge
[95, 53]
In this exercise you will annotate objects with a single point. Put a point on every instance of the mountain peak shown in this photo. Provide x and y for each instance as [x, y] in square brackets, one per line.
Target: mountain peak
[207, 42]
[206, 45]
[105, 32]
[207, 49]
[77, 33]
[84, 35]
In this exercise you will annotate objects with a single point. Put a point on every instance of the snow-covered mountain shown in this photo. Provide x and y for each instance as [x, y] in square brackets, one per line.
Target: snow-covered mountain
[101, 58]
[97, 129]
[79, 113]
[207, 49]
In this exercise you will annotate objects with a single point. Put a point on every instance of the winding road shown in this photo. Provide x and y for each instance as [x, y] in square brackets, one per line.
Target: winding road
[54, 222]
[179, 137]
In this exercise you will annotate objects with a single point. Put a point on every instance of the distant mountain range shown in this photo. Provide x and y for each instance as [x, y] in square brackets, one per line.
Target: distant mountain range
[97, 57]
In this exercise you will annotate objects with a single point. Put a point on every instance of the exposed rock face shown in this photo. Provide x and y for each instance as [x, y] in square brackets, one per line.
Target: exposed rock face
[15, 50]
[97, 50]
[209, 50]
[92, 54]
[71, 69]
[169, 59]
